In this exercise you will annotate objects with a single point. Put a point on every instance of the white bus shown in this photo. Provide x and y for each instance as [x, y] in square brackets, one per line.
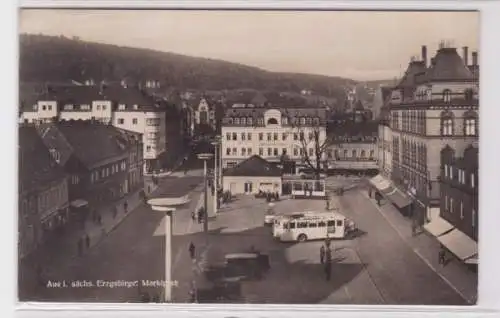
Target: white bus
[314, 227]
[279, 220]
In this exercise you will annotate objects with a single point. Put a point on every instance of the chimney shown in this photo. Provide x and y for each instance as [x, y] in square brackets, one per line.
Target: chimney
[424, 54]
[474, 58]
[465, 56]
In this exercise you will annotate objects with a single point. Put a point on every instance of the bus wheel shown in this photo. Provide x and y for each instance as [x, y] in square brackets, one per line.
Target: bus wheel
[302, 238]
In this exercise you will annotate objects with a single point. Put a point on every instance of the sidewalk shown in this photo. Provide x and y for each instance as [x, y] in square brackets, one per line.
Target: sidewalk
[61, 252]
[461, 279]
[177, 165]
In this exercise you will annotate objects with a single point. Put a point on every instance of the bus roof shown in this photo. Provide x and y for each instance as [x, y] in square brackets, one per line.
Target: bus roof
[320, 216]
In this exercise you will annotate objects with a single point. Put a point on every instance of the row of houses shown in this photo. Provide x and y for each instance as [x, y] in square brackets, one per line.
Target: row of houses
[67, 169]
[428, 147]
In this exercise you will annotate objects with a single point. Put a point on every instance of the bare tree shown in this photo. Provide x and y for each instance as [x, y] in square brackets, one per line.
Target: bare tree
[313, 147]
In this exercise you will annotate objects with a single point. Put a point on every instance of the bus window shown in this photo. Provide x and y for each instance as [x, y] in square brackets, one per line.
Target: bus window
[292, 225]
[285, 226]
[339, 222]
[301, 225]
[331, 223]
[321, 224]
[313, 225]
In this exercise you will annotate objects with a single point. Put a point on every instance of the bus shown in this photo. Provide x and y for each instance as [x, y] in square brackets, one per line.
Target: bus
[279, 220]
[315, 227]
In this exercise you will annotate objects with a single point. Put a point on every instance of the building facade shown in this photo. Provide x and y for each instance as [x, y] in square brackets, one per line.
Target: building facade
[99, 159]
[459, 179]
[127, 108]
[434, 105]
[272, 133]
[43, 193]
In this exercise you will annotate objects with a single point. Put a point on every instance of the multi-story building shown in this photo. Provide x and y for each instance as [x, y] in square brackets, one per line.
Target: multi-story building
[207, 114]
[43, 193]
[127, 108]
[99, 159]
[384, 144]
[352, 147]
[459, 179]
[432, 106]
[271, 133]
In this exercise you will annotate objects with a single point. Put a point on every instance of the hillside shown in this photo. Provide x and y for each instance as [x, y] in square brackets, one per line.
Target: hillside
[59, 59]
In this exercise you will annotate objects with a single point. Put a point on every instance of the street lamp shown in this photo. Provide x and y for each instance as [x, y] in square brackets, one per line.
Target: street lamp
[205, 157]
[167, 205]
[216, 144]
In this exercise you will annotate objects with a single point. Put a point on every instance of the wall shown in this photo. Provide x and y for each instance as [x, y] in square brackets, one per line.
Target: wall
[237, 184]
[75, 115]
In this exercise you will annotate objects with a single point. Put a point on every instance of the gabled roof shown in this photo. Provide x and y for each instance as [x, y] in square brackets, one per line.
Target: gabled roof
[414, 68]
[37, 168]
[255, 166]
[448, 66]
[91, 143]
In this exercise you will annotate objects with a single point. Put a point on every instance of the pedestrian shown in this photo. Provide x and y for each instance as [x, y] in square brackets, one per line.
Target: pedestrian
[193, 215]
[156, 298]
[442, 256]
[125, 206]
[201, 211]
[87, 241]
[192, 295]
[377, 197]
[327, 204]
[145, 298]
[192, 249]
[322, 254]
[370, 193]
[80, 247]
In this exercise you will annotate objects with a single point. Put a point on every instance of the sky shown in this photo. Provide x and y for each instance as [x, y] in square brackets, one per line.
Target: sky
[360, 45]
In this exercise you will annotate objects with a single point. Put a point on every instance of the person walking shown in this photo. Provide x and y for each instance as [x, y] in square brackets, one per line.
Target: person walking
[193, 215]
[192, 250]
[87, 241]
[125, 206]
[322, 254]
[442, 256]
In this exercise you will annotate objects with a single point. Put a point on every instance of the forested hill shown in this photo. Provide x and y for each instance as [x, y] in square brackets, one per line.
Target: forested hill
[55, 59]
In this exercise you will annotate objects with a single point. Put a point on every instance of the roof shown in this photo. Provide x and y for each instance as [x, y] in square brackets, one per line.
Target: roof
[386, 92]
[255, 166]
[414, 68]
[91, 143]
[258, 113]
[353, 129]
[37, 168]
[448, 66]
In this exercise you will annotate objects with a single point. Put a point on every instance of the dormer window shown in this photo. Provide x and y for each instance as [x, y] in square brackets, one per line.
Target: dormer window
[284, 120]
[302, 121]
[447, 95]
[316, 121]
[249, 120]
[230, 121]
[236, 121]
[35, 107]
[243, 121]
[260, 121]
[68, 107]
[272, 121]
[309, 121]
[469, 94]
[136, 107]
[85, 107]
[121, 107]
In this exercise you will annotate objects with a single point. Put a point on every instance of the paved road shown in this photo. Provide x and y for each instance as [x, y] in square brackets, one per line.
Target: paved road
[400, 275]
[134, 251]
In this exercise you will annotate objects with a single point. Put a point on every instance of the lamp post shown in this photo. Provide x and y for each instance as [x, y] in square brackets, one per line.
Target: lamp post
[167, 205]
[205, 157]
[216, 144]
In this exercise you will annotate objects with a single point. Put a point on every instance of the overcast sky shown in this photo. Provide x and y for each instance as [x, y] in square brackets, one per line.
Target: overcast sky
[357, 45]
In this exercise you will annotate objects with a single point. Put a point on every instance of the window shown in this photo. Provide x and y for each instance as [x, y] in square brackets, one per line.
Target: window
[269, 151]
[49, 107]
[302, 121]
[372, 154]
[275, 136]
[283, 137]
[103, 107]
[98, 107]
[447, 95]
[473, 218]
[243, 136]
[472, 180]
[446, 203]
[243, 151]
[469, 94]
[363, 154]
[235, 137]
[301, 225]
[235, 151]
[249, 136]
[121, 121]
[301, 136]
[311, 136]
[148, 148]
[330, 223]
[135, 107]
[249, 151]
[354, 153]
[321, 224]
[283, 151]
[284, 121]
[275, 152]
[261, 136]
[103, 173]
[85, 107]
[339, 222]
[462, 210]
[272, 121]
[301, 151]
[309, 121]
[451, 172]
[68, 107]
[311, 152]
[447, 124]
[330, 154]
[295, 152]
[295, 136]
[345, 153]
[313, 224]
[451, 205]
[228, 136]
[261, 151]
[121, 107]
[236, 121]
[269, 136]
[44, 107]
[316, 121]
[470, 126]
[134, 121]
[446, 171]
[249, 120]
[243, 121]
[228, 151]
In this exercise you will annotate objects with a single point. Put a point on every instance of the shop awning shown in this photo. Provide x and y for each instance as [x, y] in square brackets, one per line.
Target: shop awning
[472, 260]
[459, 244]
[438, 226]
[79, 203]
[380, 182]
[397, 197]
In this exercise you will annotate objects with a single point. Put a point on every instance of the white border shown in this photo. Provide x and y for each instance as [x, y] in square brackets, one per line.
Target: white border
[489, 286]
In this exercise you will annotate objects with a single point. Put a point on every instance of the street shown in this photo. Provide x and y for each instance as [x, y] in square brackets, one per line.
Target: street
[377, 267]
